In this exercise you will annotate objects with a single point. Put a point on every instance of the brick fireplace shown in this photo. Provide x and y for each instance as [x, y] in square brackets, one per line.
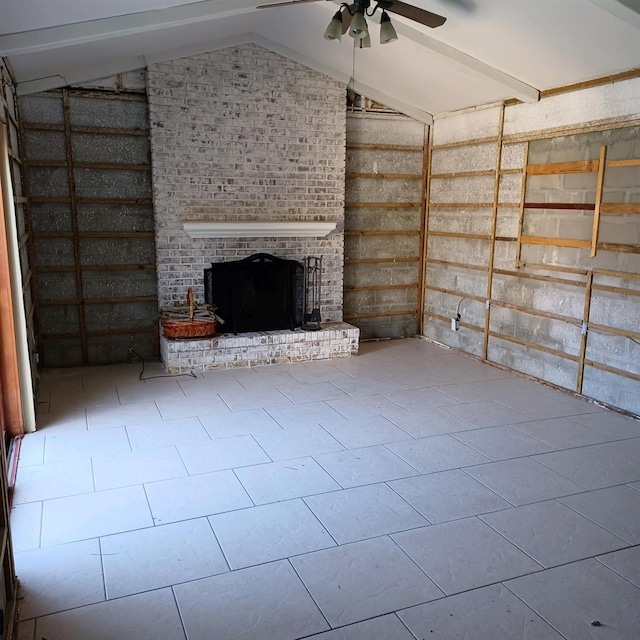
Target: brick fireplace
[245, 137]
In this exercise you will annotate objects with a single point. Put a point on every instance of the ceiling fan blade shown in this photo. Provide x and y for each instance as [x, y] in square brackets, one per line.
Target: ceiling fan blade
[283, 4]
[346, 21]
[416, 14]
[463, 5]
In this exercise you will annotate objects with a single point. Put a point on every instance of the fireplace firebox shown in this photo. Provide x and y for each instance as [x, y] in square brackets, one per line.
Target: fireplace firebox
[259, 293]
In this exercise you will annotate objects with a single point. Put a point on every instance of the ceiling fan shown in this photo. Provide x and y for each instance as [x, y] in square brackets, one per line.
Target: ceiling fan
[351, 17]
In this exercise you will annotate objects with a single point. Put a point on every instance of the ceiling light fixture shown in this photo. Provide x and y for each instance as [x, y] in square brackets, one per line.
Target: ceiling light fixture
[387, 32]
[351, 17]
[358, 28]
[334, 30]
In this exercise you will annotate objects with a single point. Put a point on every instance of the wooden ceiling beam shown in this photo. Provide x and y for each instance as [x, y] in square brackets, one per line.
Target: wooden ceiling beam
[101, 29]
[517, 88]
[628, 11]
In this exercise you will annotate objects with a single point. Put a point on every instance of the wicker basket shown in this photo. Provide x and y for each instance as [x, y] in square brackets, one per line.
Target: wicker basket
[190, 328]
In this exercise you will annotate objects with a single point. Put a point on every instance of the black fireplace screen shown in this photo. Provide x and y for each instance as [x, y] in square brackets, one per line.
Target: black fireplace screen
[260, 293]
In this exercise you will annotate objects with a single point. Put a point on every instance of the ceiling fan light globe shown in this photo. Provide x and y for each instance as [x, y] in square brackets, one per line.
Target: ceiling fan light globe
[387, 30]
[365, 43]
[334, 30]
[358, 28]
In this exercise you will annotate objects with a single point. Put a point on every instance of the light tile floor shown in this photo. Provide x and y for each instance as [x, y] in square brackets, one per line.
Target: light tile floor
[405, 493]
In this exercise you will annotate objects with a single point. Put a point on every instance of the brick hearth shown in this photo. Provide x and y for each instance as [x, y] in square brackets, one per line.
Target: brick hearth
[334, 340]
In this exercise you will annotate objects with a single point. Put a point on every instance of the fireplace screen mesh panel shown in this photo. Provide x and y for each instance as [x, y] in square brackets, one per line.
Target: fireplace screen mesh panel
[260, 293]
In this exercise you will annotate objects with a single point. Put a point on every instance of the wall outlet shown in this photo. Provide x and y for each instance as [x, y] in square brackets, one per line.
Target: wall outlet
[455, 323]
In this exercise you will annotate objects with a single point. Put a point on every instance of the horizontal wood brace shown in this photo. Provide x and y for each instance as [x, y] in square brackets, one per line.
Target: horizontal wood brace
[95, 234]
[466, 143]
[536, 312]
[466, 325]
[115, 200]
[621, 208]
[468, 236]
[540, 278]
[568, 130]
[463, 174]
[50, 200]
[348, 261]
[462, 205]
[384, 147]
[614, 370]
[561, 206]
[556, 242]
[595, 82]
[130, 95]
[381, 287]
[618, 248]
[459, 265]
[381, 314]
[625, 275]
[91, 165]
[115, 131]
[553, 267]
[62, 200]
[620, 290]
[100, 333]
[95, 267]
[613, 331]
[381, 232]
[533, 345]
[383, 205]
[119, 267]
[41, 126]
[111, 131]
[560, 168]
[630, 162]
[385, 176]
[75, 301]
[457, 294]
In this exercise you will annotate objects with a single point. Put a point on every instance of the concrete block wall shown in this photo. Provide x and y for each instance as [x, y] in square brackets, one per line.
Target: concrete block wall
[112, 214]
[534, 363]
[622, 184]
[383, 220]
[460, 204]
[245, 134]
[566, 127]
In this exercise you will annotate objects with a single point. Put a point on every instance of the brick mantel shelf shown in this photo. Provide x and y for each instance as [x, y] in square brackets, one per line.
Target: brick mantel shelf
[251, 229]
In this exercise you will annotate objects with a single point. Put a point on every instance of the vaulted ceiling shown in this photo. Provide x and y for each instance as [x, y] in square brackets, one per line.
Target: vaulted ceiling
[487, 51]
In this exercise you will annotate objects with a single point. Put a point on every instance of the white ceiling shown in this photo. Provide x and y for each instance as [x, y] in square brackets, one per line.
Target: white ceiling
[487, 51]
